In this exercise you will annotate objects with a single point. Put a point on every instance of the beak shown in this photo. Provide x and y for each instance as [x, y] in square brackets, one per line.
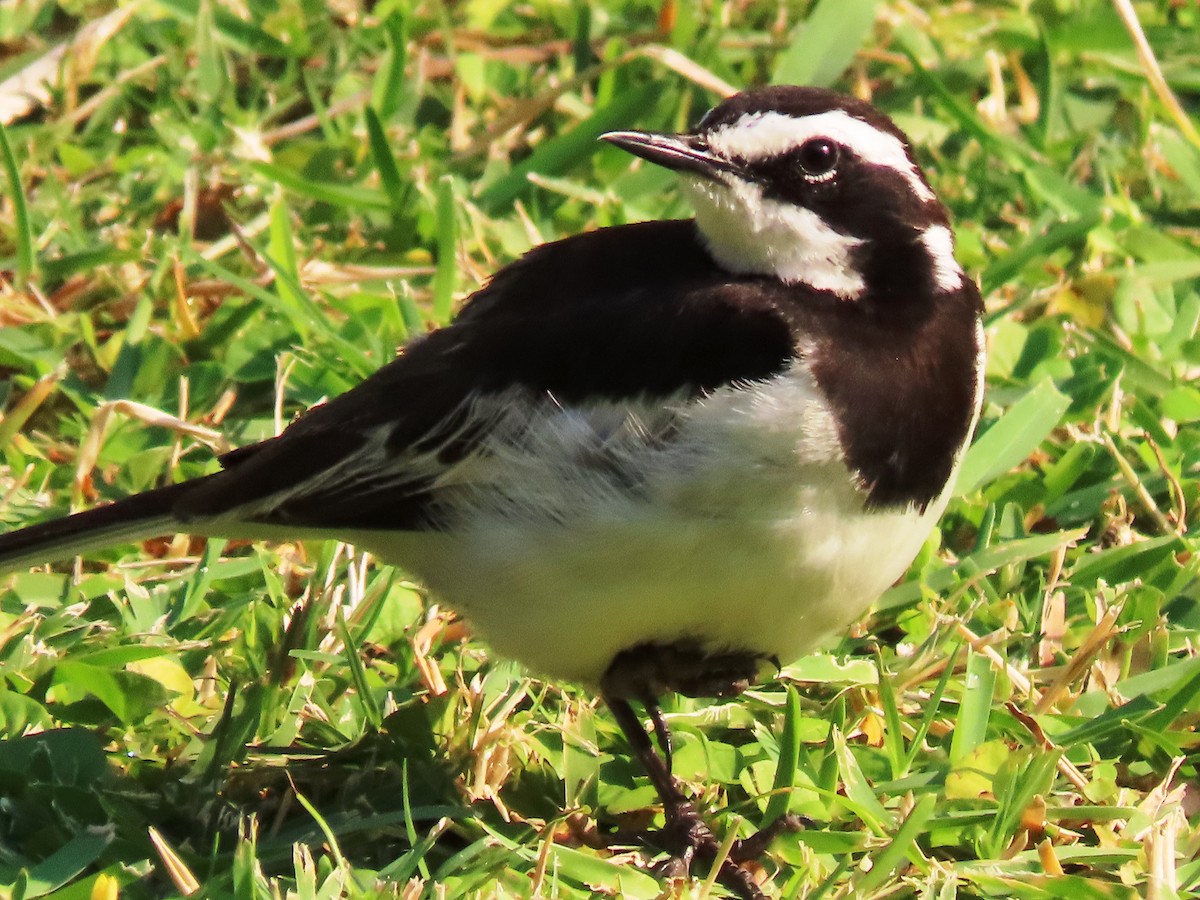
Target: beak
[681, 152]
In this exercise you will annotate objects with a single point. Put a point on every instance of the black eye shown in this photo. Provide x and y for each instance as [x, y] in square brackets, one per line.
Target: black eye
[817, 157]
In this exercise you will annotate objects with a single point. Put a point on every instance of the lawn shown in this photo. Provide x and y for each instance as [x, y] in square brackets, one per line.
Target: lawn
[219, 213]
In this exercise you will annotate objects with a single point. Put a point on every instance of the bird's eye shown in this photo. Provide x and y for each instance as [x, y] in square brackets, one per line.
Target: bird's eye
[818, 157]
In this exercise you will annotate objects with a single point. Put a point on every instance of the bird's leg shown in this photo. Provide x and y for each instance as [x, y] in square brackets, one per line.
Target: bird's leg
[648, 670]
[684, 830]
[662, 733]
[682, 819]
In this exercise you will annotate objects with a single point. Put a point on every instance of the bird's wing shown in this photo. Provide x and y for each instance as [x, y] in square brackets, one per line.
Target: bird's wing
[635, 312]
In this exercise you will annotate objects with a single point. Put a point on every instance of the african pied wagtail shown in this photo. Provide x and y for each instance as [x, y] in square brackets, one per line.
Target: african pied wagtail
[650, 457]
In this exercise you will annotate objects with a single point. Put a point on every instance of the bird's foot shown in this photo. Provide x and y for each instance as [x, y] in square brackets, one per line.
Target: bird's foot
[646, 671]
[686, 836]
[751, 848]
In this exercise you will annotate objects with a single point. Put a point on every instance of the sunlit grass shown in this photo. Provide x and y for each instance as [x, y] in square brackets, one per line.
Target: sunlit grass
[228, 212]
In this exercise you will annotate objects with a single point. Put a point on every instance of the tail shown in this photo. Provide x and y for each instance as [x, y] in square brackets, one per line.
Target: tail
[135, 518]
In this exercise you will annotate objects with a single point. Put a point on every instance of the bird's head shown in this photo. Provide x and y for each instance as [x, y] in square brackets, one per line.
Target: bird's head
[809, 186]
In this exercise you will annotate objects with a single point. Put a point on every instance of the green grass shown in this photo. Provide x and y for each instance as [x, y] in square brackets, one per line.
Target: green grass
[229, 211]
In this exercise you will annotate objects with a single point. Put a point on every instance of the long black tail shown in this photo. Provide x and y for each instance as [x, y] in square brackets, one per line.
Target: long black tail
[135, 518]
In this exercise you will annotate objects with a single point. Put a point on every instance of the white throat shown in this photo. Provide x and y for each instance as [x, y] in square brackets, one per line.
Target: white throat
[750, 234]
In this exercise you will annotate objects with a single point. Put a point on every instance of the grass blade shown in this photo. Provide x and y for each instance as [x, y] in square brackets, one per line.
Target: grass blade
[893, 738]
[900, 848]
[446, 275]
[1008, 442]
[824, 44]
[859, 793]
[789, 759]
[385, 164]
[347, 196]
[24, 230]
[388, 88]
[970, 727]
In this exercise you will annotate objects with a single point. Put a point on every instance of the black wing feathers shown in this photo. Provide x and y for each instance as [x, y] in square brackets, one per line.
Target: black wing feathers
[634, 311]
[626, 312]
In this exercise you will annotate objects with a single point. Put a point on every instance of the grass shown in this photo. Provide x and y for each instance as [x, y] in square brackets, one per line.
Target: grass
[226, 212]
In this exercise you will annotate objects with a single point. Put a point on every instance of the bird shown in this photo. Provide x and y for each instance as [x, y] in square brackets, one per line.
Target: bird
[654, 457]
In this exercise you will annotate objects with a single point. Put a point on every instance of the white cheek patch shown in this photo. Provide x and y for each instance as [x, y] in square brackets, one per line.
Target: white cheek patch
[939, 243]
[758, 135]
[748, 234]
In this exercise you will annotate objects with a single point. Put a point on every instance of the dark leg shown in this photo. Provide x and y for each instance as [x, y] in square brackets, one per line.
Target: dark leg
[662, 733]
[685, 831]
[644, 673]
[675, 804]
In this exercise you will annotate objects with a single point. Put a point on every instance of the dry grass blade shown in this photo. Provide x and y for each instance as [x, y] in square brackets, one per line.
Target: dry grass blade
[317, 271]
[1096, 641]
[177, 870]
[14, 420]
[1023, 684]
[1139, 488]
[85, 110]
[1153, 71]
[1049, 859]
[422, 643]
[683, 65]
[89, 451]
[310, 122]
[67, 64]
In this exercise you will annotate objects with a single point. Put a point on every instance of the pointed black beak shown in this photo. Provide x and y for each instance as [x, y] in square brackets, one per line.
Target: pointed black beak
[682, 152]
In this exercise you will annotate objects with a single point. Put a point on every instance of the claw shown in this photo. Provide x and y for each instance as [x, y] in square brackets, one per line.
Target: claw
[756, 845]
[646, 671]
[685, 832]
[675, 868]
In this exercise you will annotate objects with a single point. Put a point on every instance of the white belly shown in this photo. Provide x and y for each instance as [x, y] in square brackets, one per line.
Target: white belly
[745, 532]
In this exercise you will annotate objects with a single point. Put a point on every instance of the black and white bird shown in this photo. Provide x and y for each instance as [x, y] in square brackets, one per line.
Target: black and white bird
[649, 458]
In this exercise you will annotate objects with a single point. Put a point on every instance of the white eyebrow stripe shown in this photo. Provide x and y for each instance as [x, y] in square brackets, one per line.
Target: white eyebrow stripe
[761, 134]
